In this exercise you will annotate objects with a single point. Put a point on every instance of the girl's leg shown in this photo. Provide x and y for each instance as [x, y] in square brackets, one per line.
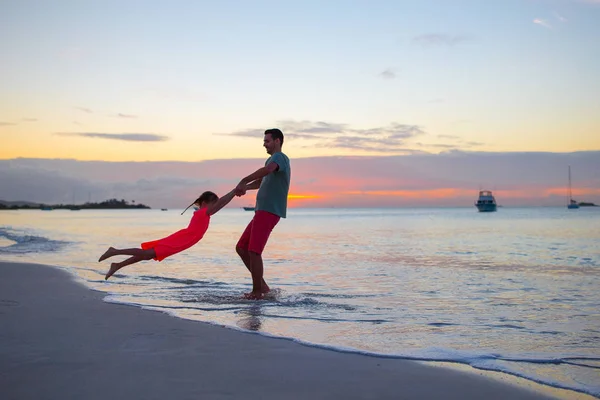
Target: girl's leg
[114, 267]
[111, 252]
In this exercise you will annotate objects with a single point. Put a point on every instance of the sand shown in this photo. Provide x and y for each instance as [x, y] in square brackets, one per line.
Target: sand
[59, 340]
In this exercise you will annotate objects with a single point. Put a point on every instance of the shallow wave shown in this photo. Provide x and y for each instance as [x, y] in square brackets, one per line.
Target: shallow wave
[337, 295]
[324, 319]
[478, 360]
[24, 243]
[208, 301]
[177, 280]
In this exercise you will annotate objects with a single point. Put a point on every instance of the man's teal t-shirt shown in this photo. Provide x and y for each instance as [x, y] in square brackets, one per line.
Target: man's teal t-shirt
[273, 192]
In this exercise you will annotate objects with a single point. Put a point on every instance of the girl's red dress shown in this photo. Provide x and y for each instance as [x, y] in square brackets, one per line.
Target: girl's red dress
[183, 239]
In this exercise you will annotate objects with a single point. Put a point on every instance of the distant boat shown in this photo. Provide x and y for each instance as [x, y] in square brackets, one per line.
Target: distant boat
[572, 203]
[163, 209]
[75, 208]
[486, 201]
[46, 208]
[249, 208]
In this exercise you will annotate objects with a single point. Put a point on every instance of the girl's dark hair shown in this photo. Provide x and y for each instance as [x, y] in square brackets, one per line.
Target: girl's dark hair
[206, 197]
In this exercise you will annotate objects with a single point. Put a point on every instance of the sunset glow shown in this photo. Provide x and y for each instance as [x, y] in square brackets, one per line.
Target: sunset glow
[375, 112]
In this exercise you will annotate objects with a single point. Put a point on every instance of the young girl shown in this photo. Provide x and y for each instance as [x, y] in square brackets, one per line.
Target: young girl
[205, 205]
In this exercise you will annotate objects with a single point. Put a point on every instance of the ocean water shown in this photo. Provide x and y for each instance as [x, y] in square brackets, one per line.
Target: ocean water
[516, 291]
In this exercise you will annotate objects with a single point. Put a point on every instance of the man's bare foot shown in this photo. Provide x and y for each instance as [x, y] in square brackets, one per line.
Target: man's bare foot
[108, 253]
[114, 267]
[265, 289]
[254, 296]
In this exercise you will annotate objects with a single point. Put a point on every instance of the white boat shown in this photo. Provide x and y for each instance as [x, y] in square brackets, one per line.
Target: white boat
[486, 201]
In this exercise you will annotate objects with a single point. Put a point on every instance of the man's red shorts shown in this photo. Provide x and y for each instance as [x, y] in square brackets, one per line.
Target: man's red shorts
[257, 232]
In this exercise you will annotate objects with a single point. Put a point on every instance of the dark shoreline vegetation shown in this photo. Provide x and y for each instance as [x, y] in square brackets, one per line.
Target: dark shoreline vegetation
[110, 204]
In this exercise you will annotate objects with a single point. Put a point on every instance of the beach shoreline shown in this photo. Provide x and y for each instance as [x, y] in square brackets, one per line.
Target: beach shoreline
[61, 340]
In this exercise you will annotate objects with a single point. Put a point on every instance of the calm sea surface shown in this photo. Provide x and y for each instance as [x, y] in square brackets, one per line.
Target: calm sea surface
[515, 291]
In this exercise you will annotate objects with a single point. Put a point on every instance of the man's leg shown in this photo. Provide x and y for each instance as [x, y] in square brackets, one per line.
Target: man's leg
[246, 257]
[262, 226]
[257, 275]
[242, 246]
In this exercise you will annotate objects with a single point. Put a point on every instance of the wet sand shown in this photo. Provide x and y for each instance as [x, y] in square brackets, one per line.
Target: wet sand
[59, 340]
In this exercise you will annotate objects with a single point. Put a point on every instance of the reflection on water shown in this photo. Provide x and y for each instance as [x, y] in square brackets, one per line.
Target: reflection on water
[514, 291]
[250, 318]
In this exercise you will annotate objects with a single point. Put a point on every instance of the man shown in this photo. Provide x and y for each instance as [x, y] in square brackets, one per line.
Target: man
[273, 183]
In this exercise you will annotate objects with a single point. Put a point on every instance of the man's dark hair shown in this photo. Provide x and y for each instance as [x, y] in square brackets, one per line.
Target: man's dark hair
[275, 134]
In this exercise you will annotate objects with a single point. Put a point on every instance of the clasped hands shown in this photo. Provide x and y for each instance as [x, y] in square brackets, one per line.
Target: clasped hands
[240, 189]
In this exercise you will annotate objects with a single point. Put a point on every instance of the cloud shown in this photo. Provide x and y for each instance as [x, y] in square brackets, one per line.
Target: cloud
[121, 115]
[129, 137]
[542, 22]
[475, 144]
[379, 145]
[458, 140]
[458, 143]
[302, 136]
[253, 133]
[311, 127]
[393, 131]
[6, 123]
[85, 110]
[295, 129]
[450, 178]
[447, 136]
[438, 145]
[386, 139]
[439, 39]
[560, 17]
[54, 185]
[169, 184]
[388, 73]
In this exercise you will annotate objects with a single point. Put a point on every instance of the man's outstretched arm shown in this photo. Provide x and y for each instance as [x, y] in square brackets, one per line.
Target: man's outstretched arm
[254, 185]
[257, 175]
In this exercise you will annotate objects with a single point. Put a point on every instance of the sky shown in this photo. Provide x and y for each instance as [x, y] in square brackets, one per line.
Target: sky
[350, 83]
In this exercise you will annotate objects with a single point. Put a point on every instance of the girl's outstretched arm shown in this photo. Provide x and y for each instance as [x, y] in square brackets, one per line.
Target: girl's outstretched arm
[222, 202]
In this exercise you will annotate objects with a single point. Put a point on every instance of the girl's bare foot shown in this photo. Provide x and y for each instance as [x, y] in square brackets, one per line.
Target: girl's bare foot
[108, 253]
[114, 267]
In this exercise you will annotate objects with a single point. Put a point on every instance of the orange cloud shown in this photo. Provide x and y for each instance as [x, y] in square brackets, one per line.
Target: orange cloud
[451, 192]
[300, 200]
[452, 179]
[576, 191]
[414, 194]
[302, 196]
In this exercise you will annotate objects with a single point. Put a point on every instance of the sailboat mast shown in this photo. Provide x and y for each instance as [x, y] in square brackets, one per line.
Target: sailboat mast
[570, 194]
